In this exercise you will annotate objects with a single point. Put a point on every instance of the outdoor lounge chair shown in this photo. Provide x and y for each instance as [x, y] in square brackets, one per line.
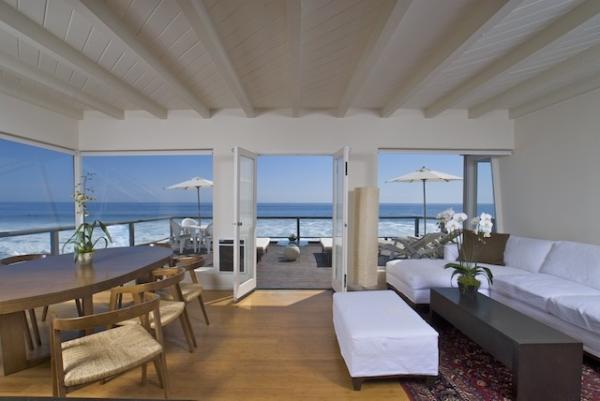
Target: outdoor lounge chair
[427, 247]
[262, 244]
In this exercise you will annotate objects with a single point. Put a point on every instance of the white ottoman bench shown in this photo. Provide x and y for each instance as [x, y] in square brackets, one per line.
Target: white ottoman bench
[381, 336]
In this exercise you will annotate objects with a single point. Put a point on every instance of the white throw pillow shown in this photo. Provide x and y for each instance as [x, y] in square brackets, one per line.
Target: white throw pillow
[526, 253]
[574, 261]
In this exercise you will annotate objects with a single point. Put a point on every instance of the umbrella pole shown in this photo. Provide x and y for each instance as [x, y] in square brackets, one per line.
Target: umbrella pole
[424, 209]
[199, 218]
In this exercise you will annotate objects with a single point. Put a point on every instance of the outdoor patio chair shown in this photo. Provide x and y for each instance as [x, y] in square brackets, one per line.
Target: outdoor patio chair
[179, 236]
[103, 355]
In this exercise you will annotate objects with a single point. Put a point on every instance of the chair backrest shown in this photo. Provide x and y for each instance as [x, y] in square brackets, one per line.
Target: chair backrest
[171, 277]
[176, 229]
[22, 258]
[149, 304]
[188, 222]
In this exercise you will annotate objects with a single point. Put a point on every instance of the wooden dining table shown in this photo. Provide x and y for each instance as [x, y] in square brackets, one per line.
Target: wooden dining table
[57, 279]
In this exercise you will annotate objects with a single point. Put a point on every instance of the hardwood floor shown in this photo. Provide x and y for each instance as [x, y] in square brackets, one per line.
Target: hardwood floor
[274, 345]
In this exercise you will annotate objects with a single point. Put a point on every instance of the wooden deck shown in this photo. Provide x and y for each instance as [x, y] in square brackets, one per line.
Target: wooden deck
[274, 272]
[274, 345]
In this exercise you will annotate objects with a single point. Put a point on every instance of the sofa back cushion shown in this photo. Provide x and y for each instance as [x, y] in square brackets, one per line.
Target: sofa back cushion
[574, 261]
[483, 250]
[526, 253]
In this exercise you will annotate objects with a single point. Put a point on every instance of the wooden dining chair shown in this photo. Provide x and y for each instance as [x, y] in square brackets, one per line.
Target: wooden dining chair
[170, 309]
[32, 315]
[108, 353]
[191, 291]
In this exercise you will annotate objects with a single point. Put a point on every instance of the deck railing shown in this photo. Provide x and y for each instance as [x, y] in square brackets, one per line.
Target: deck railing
[55, 243]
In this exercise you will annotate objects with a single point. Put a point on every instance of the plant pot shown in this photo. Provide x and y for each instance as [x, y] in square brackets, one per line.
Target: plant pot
[469, 290]
[85, 258]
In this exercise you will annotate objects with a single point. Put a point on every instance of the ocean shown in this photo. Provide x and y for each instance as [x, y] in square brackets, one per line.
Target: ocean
[32, 215]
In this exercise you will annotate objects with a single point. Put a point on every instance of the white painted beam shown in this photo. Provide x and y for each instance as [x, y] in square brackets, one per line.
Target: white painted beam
[24, 70]
[99, 13]
[483, 16]
[581, 61]
[197, 14]
[20, 25]
[541, 39]
[294, 25]
[390, 15]
[560, 95]
[37, 98]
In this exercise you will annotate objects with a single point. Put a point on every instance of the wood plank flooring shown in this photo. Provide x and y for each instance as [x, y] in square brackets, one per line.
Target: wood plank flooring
[274, 345]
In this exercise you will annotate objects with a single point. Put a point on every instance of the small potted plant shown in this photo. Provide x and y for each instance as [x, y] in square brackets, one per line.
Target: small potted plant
[84, 243]
[468, 271]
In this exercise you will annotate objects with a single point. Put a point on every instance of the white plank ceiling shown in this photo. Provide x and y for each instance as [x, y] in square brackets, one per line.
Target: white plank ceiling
[205, 55]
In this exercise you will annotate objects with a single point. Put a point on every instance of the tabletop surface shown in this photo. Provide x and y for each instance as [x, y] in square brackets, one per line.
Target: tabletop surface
[59, 276]
[517, 326]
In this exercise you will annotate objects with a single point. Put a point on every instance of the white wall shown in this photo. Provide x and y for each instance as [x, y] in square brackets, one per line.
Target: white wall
[28, 121]
[551, 183]
[273, 133]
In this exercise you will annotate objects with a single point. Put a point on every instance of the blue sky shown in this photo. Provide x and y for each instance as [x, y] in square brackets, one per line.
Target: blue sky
[29, 173]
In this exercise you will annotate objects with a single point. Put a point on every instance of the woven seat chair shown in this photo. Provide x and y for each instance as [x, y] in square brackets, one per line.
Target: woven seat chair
[191, 291]
[171, 309]
[108, 353]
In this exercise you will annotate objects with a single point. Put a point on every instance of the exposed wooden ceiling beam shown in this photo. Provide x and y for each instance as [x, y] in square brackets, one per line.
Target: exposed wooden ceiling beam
[483, 16]
[17, 23]
[294, 25]
[199, 19]
[581, 61]
[543, 38]
[24, 70]
[99, 13]
[390, 14]
[560, 95]
[33, 96]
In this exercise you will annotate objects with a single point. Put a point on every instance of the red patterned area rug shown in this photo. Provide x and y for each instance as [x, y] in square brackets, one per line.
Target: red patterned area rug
[467, 373]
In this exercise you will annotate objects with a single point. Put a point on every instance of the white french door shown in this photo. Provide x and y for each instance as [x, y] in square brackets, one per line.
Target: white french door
[340, 220]
[244, 212]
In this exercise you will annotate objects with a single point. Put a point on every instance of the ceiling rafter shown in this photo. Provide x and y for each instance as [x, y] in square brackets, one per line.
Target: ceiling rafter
[541, 39]
[25, 71]
[17, 23]
[390, 15]
[35, 97]
[534, 85]
[567, 92]
[99, 13]
[460, 36]
[197, 15]
[294, 25]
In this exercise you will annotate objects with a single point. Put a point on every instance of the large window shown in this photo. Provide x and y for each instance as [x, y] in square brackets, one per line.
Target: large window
[37, 189]
[131, 193]
[401, 203]
[485, 188]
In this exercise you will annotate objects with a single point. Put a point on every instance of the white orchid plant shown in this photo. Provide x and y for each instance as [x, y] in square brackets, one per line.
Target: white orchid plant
[467, 271]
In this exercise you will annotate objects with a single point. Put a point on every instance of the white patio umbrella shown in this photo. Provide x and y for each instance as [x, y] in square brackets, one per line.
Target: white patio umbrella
[424, 175]
[194, 183]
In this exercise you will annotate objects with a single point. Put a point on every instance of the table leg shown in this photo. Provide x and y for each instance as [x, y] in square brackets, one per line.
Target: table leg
[13, 355]
[88, 309]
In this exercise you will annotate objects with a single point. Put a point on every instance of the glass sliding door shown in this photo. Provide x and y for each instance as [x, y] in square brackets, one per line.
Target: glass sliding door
[340, 220]
[244, 245]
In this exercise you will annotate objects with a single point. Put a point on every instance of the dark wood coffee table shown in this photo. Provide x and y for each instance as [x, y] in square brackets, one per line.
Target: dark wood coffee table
[546, 364]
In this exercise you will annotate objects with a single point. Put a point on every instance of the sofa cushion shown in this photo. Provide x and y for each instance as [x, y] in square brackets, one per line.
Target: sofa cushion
[526, 253]
[580, 310]
[574, 261]
[537, 289]
[490, 250]
[430, 273]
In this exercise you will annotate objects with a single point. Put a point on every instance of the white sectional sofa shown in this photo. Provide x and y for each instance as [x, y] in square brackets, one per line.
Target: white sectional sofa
[557, 283]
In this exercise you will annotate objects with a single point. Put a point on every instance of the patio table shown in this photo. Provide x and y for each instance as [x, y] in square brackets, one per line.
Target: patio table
[57, 279]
